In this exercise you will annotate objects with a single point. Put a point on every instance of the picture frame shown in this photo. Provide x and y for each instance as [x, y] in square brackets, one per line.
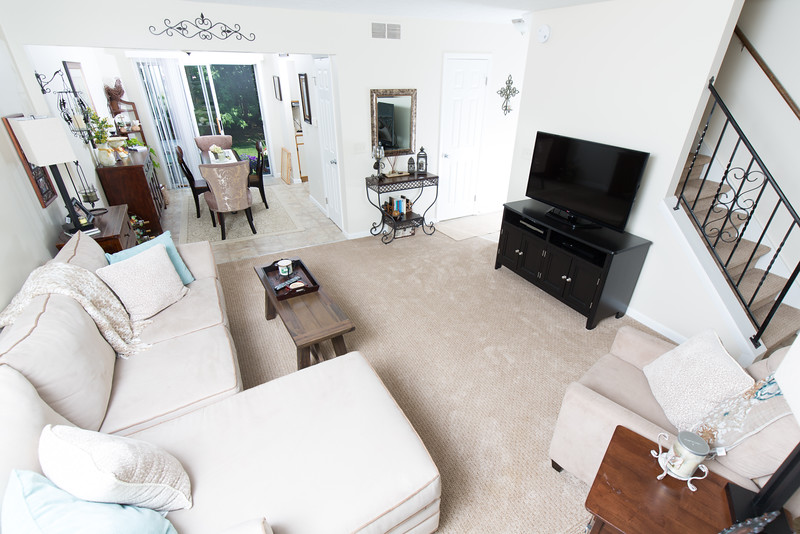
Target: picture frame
[39, 177]
[304, 98]
[276, 85]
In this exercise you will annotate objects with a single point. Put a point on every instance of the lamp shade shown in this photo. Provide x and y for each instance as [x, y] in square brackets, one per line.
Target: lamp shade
[788, 377]
[44, 141]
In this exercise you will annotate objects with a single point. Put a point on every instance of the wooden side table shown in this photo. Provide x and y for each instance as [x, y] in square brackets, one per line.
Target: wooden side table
[626, 497]
[115, 228]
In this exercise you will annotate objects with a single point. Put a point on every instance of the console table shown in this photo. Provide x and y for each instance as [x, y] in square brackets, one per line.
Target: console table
[593, 271]
[626, 497]
[389, 225]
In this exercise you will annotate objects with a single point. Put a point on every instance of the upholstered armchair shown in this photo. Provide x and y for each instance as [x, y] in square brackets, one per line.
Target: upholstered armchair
[197, 186]
[204, 142]
[229, 192]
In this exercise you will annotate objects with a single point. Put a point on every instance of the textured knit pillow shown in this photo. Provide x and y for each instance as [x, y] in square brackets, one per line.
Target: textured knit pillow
[105, 468]
[166, 240]
[691, 379]
[34, 504]
[145, 283]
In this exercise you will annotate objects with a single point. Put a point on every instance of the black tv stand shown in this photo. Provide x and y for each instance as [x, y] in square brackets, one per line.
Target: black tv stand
[571, 220]
[592, 270]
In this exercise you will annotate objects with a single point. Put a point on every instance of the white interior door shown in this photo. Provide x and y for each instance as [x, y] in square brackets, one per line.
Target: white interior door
[463, 98]
[327, 140]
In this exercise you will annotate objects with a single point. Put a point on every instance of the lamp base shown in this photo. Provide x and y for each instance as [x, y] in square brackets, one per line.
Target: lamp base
[740, 501]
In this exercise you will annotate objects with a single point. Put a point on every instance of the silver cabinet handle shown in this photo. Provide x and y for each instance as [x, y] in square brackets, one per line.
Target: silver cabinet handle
[563, 276]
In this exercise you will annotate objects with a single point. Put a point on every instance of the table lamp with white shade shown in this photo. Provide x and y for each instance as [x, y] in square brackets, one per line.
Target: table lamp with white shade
[786, 480]
[45, 143]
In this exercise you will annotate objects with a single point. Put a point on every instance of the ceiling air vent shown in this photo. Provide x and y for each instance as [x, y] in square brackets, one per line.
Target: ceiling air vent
[378, 30]
[393, 31]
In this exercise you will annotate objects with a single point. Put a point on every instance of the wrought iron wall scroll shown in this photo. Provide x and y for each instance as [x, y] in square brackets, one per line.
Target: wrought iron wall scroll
[507, 93]
[203, 28]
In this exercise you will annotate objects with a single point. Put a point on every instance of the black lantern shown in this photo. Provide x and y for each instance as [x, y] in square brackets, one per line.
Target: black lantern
[411, 166]
[422, 161]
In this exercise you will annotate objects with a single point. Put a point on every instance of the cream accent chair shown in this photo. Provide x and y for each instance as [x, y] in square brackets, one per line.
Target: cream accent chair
[230, 191]
[204, 142]
[615, 391]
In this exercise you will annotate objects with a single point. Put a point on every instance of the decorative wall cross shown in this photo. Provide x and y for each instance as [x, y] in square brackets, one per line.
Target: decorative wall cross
[203, 28]
[507, 93]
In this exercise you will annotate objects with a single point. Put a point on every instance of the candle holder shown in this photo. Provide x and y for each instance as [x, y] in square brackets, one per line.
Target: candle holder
[679, 462]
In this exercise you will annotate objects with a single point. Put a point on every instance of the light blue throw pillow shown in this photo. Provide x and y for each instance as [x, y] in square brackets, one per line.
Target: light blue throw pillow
[34, 504]
[166, 240]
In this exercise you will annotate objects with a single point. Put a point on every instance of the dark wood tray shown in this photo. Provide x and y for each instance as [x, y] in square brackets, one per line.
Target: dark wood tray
[270, 277]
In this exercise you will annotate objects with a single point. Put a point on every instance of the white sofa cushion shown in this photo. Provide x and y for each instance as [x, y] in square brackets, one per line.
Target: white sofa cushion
[171, 378]
[33, 504]
[200, 308]
[102, 468]
[163, 239]
[145, 283]
[57, 347]
[695, 376]
[23, 414]
[331, 434]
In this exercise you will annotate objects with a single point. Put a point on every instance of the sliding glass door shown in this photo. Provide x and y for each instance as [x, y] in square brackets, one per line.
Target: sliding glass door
[225, 100]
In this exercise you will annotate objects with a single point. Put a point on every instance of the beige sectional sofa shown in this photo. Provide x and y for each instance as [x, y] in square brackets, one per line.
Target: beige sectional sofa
[615, 391]
[325, 449]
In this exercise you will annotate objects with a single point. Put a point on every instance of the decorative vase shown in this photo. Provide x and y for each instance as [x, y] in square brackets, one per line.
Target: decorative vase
[117, 144]
[105, 155]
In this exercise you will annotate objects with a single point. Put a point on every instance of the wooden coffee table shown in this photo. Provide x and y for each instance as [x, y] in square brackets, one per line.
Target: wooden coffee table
[310, 319]
[626, 497]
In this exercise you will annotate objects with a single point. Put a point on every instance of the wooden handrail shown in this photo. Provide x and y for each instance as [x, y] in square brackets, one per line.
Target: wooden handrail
[771, 75]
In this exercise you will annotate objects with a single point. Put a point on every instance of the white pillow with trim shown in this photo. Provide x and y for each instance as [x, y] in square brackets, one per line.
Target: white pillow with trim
[104, 468]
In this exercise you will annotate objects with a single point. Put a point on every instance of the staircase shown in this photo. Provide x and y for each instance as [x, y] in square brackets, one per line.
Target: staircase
[746, 224]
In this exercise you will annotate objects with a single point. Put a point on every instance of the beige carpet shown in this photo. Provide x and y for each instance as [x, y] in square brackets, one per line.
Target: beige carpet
[477, 358]
[273, 221]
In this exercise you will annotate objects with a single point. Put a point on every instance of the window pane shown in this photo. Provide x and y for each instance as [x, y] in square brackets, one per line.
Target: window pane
[240, 112]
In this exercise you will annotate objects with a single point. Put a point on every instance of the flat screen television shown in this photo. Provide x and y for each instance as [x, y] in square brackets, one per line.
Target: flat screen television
[586, 183]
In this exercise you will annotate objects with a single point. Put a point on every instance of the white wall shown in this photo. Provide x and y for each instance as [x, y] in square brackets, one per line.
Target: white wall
[632, 73]
[362, 63]
[766, 119]
[28, 231]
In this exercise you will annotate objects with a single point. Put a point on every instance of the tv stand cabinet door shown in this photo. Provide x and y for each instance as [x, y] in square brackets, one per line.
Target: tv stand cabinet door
[583, 282]
[530, 264]
[555, 271]
[509, 248]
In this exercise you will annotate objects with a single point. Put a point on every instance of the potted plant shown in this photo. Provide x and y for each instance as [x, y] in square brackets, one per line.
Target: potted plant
[99, 127]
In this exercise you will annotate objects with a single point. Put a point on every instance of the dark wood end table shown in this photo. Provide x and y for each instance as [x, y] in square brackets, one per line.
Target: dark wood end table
[626, 497]
[310, 319]
[116, 233]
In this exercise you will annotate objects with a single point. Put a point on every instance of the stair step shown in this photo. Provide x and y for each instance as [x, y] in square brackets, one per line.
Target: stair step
[772, 286]
[737, 263]
[783, 327]
[718, 219]
[698, 169]
[707, 190]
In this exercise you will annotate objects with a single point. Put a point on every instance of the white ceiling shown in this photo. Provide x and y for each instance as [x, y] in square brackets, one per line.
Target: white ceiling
[493, 11]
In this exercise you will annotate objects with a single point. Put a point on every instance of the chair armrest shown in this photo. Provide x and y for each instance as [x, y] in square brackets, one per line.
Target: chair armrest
[638, 348]
[199, 259]
[585, 424]
[254, 526]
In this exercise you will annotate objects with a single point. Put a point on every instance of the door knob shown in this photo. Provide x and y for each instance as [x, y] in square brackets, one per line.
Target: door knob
[516, 251]
[333, 162]
[563, 276]
[445, 155]
[520, 253]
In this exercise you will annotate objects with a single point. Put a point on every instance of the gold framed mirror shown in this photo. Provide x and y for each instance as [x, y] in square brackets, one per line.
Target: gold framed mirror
[393, 114]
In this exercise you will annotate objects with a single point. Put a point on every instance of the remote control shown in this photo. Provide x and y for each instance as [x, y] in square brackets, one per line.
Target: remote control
[286, 283]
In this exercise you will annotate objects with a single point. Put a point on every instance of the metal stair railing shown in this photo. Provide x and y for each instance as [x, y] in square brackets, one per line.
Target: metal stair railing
[746, 197]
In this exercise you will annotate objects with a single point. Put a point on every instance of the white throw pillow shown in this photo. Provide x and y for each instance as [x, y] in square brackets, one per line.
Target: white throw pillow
[145, 283]
[23, 414]
[691, 379]
[104, 468]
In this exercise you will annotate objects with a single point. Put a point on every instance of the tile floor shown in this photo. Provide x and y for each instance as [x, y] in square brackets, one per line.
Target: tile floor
[317, 228]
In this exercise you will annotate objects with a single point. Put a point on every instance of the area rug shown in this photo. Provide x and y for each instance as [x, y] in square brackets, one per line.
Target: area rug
[477, 358]
[273, 221]
[473, 226]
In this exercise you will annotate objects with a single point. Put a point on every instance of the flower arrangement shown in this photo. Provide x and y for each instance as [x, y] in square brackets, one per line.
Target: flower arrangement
[215, 149]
